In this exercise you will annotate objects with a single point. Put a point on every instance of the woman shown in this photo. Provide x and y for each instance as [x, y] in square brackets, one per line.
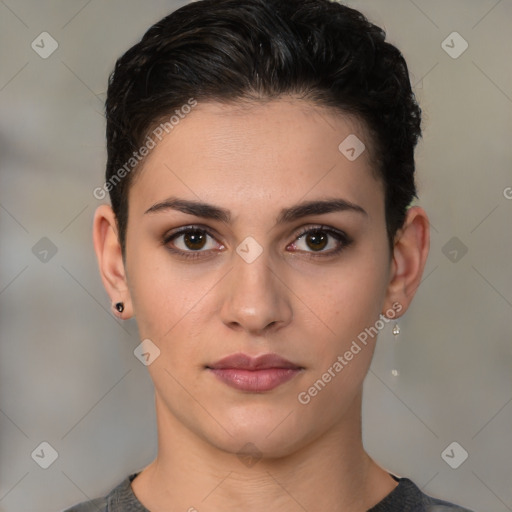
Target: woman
[261, 169]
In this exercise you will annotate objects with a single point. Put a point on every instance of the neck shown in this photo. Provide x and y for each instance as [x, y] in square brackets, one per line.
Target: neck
[332, 472]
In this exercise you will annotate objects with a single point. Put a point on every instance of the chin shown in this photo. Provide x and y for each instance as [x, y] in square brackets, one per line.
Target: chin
[262, 433]
[255, 446]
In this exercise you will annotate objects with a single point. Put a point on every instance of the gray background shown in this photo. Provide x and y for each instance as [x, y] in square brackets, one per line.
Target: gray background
[68, 375]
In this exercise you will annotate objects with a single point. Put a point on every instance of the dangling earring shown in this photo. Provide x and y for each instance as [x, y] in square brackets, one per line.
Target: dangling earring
[119, 306]
[396, 332]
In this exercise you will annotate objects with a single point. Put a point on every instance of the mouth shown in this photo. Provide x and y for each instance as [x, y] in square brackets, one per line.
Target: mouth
[254, 374]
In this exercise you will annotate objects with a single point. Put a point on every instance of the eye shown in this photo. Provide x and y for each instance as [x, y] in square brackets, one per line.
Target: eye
[321, 240]
[191, 239]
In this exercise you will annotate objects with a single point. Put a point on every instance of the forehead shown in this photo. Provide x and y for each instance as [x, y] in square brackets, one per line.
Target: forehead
[285, 149]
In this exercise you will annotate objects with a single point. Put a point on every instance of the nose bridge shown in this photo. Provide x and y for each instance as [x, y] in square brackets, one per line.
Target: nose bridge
[255, 298]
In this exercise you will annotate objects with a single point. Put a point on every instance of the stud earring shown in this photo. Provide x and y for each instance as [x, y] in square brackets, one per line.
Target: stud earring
[119, 306]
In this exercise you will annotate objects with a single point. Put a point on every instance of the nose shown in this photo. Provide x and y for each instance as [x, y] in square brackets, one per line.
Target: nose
[255, 298]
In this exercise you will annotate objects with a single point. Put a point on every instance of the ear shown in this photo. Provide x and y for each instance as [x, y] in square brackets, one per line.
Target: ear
[410, 253]
[110, 259]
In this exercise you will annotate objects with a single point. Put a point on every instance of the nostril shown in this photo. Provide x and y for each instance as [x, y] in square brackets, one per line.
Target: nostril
[235, 325]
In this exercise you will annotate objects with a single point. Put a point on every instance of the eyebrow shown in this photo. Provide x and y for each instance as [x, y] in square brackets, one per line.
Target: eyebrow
[304, 209]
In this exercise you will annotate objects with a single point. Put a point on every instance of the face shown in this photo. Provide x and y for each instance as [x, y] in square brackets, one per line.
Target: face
[250, 233]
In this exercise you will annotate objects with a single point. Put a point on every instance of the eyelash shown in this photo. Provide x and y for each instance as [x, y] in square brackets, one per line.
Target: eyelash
[342, 238]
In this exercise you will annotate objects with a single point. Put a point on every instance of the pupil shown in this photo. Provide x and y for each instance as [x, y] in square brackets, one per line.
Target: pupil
[195, 240]
[316, 240]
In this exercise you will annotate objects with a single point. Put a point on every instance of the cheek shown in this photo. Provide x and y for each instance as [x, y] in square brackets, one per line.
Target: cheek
[155, 291]
[349, 304]
[349, 297]
[171, 301]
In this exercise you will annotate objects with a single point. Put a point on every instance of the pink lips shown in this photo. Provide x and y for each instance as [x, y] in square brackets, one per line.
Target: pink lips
[254, 374]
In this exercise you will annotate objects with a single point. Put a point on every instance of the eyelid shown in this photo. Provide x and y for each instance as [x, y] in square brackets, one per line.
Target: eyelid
[169, 235]
[320, 227]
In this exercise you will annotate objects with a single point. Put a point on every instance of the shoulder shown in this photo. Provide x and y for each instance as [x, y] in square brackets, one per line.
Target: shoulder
[119, 499]
[435, 505]
[96, 505]
[407, 497]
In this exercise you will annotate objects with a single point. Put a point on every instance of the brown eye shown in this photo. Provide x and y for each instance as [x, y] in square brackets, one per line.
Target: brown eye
[321, 241]
[194, 240]
[191, 240]
[317, 240]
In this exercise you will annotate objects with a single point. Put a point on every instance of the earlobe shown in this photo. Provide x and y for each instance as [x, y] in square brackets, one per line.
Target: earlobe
[110, 260]
[409, 257]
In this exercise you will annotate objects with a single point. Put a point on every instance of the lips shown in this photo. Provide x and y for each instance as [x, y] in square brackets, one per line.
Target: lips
[254, 374]
[245, 362]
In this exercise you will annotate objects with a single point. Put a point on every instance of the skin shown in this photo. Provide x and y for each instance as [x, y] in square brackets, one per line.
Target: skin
[255, 160]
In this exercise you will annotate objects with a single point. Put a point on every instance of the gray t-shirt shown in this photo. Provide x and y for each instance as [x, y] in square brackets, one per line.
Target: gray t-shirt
[405, 497]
